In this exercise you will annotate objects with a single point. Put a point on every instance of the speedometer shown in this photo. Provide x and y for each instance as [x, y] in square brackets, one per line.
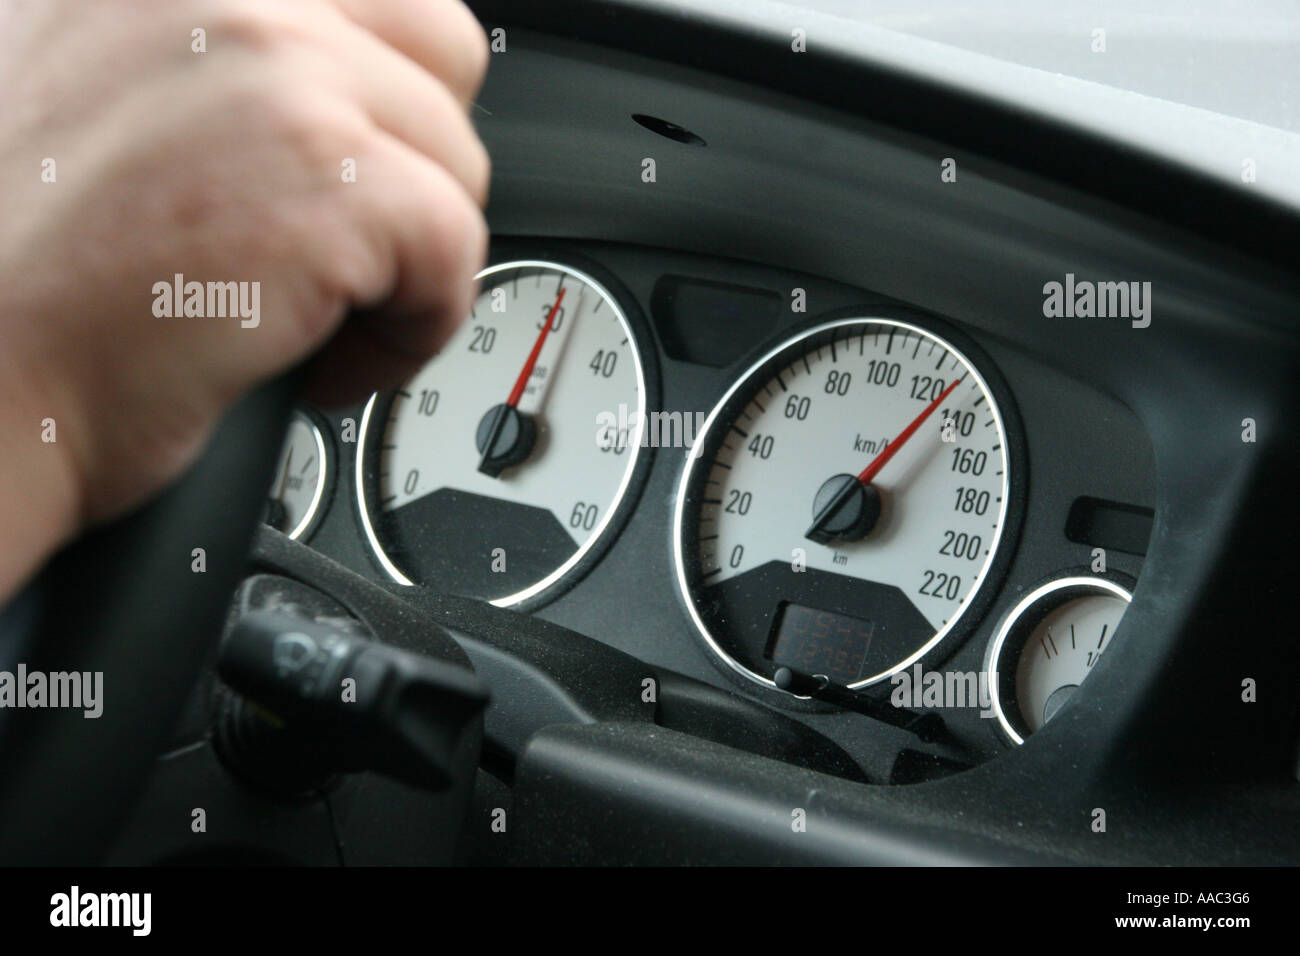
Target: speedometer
[845, 505]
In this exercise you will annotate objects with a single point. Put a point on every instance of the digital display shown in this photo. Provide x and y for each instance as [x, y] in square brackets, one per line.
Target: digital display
[812, 641]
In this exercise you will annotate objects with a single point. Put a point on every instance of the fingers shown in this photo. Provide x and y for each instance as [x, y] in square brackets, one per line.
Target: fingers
[397, 246]
[437, 238]
[442, 36]
[422, 175]
[317, 157]
[429, 238]
[413, 104]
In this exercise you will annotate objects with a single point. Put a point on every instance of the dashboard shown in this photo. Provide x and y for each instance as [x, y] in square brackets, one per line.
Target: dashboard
[902, 438]
[668, 510]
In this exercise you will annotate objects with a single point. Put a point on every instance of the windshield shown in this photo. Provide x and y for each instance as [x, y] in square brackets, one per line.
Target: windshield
[1240, 59]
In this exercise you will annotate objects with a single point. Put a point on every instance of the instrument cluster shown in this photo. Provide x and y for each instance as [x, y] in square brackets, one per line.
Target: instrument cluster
[840, 497]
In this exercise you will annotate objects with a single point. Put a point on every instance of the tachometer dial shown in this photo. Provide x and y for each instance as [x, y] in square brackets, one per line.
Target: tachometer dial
[488, 474]
[847, 503]
[1047, 645]
[293, 505]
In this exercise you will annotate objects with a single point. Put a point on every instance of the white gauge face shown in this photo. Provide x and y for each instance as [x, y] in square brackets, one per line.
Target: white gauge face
[1060, 652]
[1047, 646]
[497, 468]
[898, 423]
[299, 483]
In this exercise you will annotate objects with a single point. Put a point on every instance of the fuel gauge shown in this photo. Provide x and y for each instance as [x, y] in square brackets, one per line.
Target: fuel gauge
[1047, 646]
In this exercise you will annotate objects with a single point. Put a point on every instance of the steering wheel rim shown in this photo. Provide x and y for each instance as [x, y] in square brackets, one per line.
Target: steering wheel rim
[129, 601]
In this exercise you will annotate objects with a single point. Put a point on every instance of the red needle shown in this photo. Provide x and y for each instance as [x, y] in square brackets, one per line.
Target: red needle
[517, 392]
[891, 449]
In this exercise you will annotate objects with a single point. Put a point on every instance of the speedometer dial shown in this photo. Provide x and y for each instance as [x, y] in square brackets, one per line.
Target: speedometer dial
[487, 474]
[846, 505]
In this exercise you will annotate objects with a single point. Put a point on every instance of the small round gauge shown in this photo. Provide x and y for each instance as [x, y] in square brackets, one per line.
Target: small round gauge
[1046, 647]
[293, 504]
[847, 503]
[501, 464]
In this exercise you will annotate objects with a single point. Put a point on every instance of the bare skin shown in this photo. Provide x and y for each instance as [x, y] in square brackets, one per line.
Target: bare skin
[224, 165]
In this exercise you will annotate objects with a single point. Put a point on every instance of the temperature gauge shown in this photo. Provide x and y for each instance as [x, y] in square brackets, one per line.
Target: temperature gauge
[1047, 646]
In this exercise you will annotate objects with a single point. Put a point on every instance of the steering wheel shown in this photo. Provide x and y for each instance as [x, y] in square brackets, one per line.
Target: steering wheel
[140, 602]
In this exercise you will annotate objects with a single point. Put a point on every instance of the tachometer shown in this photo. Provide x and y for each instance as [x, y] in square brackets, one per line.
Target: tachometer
[487, 474]
[846, 504]
[294, 503]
